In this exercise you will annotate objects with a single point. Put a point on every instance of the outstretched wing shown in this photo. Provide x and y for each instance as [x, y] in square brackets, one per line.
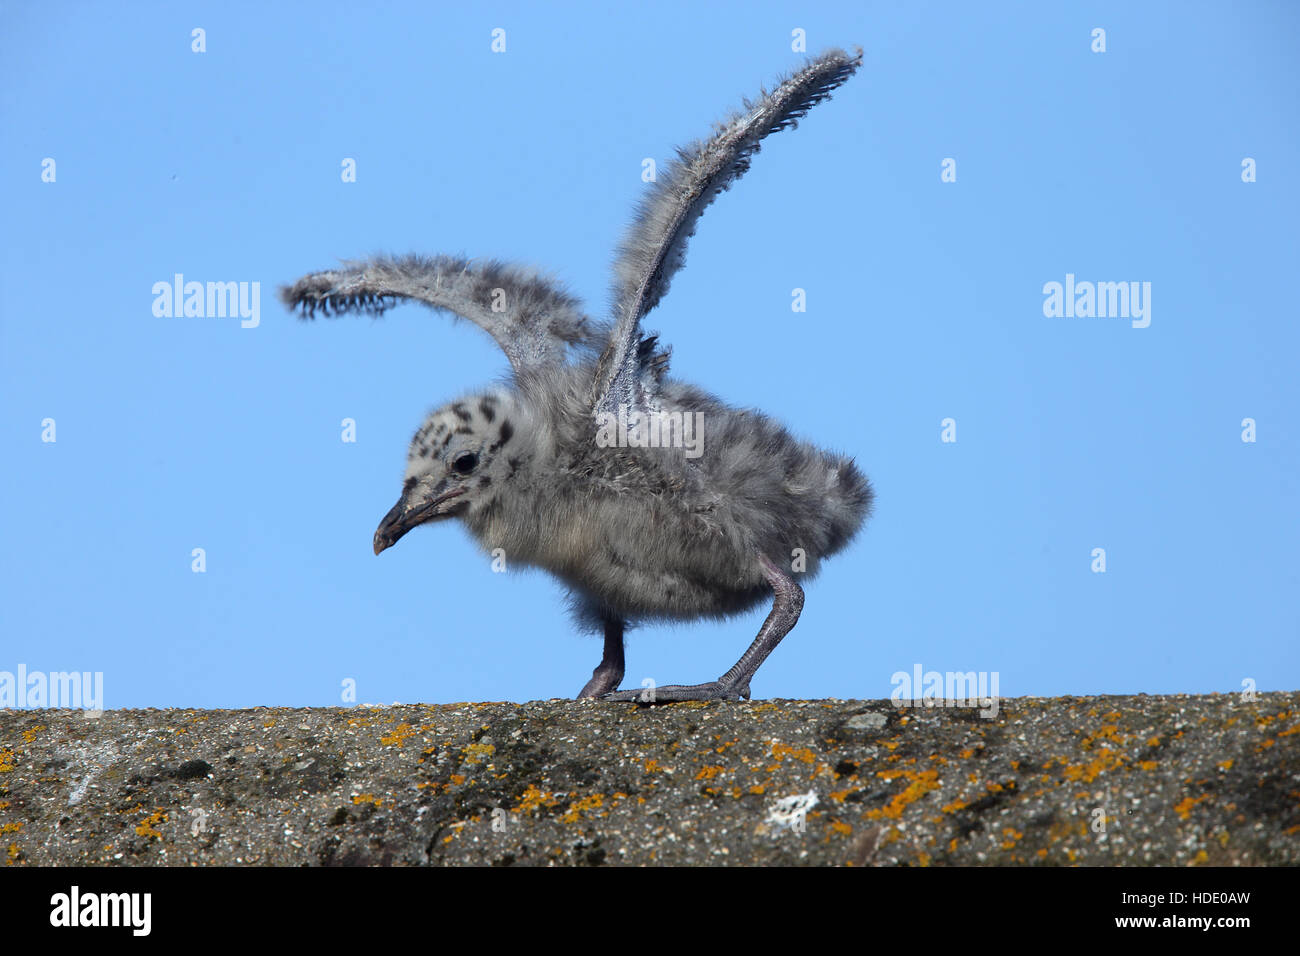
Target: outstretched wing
[655, 247]
[530, 317]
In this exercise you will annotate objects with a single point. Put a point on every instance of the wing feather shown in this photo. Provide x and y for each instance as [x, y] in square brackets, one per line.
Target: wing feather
[530, 317]
[655, 247]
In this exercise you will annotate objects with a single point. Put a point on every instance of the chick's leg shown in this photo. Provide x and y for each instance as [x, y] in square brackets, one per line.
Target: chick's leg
[609, 671]
[786, 606]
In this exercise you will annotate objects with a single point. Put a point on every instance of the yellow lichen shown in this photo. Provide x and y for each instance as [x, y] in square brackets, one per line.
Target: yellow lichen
[1263, 720]
[1106, 759]
[922, 782]
[532, 798]
[477, 753]
[780, 751]
[399, 735]
[146, 828]
[1107, 732]
[593, 802]
[1184, 807]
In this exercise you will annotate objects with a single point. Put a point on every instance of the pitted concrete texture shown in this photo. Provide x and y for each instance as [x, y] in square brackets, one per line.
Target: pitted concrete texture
[1171, 780]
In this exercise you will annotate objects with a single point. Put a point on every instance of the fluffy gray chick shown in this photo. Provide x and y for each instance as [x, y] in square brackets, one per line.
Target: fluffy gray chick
[648, 497]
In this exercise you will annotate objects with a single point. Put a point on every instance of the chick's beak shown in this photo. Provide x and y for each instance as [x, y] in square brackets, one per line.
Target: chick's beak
[412, 510]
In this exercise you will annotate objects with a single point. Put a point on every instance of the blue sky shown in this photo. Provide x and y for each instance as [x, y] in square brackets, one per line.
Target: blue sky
[924, 302]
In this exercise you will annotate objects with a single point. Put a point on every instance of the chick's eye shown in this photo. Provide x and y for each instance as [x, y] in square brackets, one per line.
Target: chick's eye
[465, 463]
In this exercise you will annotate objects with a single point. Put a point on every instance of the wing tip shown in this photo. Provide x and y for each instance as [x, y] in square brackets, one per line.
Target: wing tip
[314, 293]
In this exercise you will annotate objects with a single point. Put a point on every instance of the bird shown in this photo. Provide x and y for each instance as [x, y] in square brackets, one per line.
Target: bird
[647, 497]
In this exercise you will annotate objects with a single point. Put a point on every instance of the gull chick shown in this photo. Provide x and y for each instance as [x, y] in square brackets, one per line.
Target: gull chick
[649, 498]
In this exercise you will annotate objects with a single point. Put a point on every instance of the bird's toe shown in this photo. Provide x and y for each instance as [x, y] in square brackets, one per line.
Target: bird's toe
[673, 693]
